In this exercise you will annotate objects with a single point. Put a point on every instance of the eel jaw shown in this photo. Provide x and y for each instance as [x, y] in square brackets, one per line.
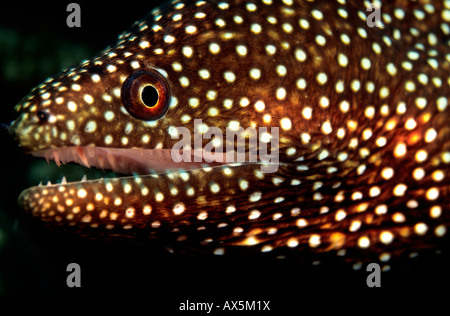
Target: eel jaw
[122, 160]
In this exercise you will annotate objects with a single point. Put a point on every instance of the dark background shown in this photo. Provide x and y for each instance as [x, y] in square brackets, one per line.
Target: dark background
[36, 43]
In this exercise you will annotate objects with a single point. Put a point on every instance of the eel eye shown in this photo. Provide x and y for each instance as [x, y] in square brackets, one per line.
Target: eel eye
[145, 94]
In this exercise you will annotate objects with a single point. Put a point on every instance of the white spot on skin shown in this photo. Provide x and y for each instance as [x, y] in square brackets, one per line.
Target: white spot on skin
[265, 137]
[109, 115]
[220, 23]
[256, 196]
[255, 28]
[255, 73]
[421, 102]
[116, 92]
[169, 39]
[111, 68]
[366, 63]
[301, 84]
[307, 113]
[421, 155]
[219, 251]
[72, 106]
[430, 135]
[342, 60]
[90, 127]
[286, 124]
[95, 78]
[340, 215]
[287, 28]
[204, 73]
[364, 242]
[281, 70]
[300, 55]
[233, 125]
[134, 64]
[184, 81]
[320, 40]
[243, 184]
[244, 102]
[324, 102]
[440, 230]
[118, 201]
[202, 216]
[159, 197]
[292, 242]
[214, 48]
[179, 209]
[254, 214]
[271, 49]
[82, 193]
[107, 97]
[251, 7]
[441, 103]
[317, 14]
[387, 173]
[314, 241]
[281, 93]
[211, 95]
[88, 98]
[322, 78]
[241, 50]
[229, 76]
[187, 51]
[108, 139]
[326, 128]
[303, 24]
[345, 39]
[144, 44]
[191, 29]
[259, 106]
[214, 187]
[129, 212]
[432, 193]
[420, 228]
[147, 210]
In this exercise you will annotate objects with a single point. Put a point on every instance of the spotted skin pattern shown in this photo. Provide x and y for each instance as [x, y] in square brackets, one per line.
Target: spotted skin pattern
[363, 116]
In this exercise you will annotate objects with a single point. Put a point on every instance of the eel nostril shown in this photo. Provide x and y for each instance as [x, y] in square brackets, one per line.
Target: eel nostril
[42, 116]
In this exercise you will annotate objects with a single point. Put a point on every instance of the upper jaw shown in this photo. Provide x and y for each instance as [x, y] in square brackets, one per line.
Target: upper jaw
[120, 160]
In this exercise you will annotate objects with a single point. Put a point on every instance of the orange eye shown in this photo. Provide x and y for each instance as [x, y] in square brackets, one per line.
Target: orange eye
[145, 94]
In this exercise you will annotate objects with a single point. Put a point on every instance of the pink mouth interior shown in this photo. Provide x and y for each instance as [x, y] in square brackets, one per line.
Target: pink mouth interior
[121, 160]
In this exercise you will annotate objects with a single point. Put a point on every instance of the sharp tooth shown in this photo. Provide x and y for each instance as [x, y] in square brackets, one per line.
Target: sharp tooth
[56, 158]
[63, 180]
[84, 178]
[49, 183]
[83, 157]
[101, 162]
[40, 184]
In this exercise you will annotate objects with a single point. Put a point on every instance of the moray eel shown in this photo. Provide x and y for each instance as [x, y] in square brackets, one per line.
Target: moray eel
[354, 107]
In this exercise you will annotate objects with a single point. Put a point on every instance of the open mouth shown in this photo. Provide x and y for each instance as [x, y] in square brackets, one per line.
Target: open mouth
[125, 161]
